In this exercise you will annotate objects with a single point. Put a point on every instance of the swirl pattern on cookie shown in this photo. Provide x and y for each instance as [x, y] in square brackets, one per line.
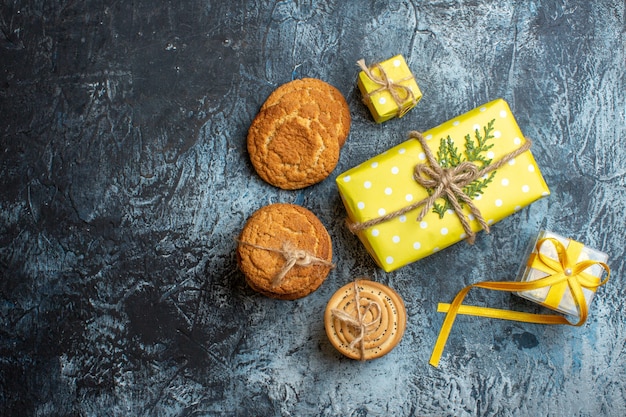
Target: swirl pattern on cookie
[375, 329]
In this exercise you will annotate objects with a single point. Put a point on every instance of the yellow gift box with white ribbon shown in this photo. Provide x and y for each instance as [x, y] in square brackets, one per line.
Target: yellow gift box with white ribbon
[560, 297]
[441, 186]
[389, 89]
[564, 266]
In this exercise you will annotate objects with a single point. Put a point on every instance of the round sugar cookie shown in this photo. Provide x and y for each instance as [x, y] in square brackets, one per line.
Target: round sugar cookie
[334, 113]
[371, 331]
[295, 139]
[284, 251]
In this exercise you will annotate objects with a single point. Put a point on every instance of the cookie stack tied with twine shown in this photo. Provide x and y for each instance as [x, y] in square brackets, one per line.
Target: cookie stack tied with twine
[295, 139]
[365, 319]
[284, 251]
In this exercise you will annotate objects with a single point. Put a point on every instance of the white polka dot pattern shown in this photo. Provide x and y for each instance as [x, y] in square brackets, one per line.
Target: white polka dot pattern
[391, 187]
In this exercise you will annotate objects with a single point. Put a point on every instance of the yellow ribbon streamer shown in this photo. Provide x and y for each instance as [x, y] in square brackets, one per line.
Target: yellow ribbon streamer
[564, 273]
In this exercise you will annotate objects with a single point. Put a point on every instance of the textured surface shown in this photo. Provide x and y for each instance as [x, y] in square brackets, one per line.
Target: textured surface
[125, 180]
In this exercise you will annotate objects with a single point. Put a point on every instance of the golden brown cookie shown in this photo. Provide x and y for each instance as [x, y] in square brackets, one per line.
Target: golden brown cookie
[295, 139]
[370, 331]
[333, 108]
[284, 251]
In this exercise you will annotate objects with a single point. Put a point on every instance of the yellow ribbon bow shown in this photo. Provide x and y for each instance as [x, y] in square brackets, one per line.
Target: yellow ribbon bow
[564, 273]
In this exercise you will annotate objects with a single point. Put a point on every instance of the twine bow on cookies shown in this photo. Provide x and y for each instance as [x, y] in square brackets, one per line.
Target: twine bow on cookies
[445, 182]
[293, 256]
[399, 93]
[363, 326]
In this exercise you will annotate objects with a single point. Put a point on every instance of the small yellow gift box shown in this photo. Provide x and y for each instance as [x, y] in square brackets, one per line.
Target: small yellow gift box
[400, 219]
[553, 253]
[389, 89]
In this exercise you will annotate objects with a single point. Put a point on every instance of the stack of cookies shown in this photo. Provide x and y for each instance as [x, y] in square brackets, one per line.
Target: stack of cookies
[295, 139]
[284, 251]
[365, 319]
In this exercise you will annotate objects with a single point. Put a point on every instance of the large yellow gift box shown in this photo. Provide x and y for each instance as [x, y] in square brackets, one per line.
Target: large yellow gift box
[401, 220]
[389, 89]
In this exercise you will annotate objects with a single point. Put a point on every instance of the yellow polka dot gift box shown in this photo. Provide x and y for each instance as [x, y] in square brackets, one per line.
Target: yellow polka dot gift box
[441, 186]
[388, 88]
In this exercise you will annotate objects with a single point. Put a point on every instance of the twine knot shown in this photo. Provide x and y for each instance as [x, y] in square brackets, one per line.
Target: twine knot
[447, 178]
[399, 93]
[445, 182]
[297, 256]
[364, 327]
[449, 183]
[293, 256]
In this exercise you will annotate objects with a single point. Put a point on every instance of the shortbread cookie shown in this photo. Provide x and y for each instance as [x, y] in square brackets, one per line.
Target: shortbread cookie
[334, 112]
[284, 251]
[295, 139]
[370, 331]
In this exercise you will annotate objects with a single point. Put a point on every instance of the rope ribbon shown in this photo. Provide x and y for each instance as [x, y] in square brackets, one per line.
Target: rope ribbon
[399, 93]
[293, 256]
[445, 182]
[359, 323]
[564, 273]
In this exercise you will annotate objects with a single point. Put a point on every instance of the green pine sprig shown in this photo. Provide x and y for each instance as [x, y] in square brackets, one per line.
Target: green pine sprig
[474, 149]
[449, 156]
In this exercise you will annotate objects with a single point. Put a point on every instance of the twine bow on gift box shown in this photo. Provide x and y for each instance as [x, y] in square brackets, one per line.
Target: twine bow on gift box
[293, 256]
[563, 273]
[445, 182]
[399, 93]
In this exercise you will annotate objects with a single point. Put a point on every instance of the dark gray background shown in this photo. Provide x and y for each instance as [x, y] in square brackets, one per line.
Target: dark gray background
[125, 179]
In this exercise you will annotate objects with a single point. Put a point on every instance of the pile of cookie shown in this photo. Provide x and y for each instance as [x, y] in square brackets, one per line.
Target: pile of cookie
[284, 251]
[295, 139]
